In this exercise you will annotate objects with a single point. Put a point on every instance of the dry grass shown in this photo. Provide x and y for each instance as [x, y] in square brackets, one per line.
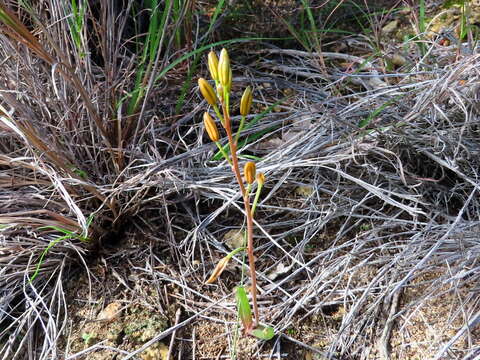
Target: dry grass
[376, 227]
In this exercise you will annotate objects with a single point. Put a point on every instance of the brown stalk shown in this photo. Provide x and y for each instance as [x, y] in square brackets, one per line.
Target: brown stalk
[246, 201]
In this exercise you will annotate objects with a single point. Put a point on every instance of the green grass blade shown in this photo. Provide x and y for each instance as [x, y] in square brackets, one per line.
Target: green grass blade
[177, 12]
[216, 13]
[365, 122]
[44, 253]
[202, 49]
[147, 59]
[313, 25]
[187, 84]
[422, 26]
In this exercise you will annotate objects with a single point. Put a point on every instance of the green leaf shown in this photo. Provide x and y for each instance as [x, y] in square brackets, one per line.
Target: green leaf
[218, 10]
[244, 310]
[263, 332]
[364, 122]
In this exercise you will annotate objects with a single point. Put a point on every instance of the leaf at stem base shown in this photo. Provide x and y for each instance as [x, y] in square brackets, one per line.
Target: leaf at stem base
[263, 332]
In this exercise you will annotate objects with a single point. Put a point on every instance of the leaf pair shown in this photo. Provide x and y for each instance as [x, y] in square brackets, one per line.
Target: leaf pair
[263, 332]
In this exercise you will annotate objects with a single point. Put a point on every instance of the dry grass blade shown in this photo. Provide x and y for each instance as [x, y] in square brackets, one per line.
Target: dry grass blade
[20, 33]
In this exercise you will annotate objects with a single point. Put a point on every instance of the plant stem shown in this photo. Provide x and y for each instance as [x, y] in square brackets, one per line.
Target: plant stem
[248, 212]
[240, 128]
[224, 153]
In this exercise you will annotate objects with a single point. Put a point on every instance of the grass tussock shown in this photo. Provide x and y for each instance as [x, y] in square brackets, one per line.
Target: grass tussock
[370, 208]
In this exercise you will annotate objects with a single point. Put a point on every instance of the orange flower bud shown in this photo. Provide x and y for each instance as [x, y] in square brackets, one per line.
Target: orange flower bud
[207, 91]
[261, 178]
[249, 172]
[211, 127]
[246, 102]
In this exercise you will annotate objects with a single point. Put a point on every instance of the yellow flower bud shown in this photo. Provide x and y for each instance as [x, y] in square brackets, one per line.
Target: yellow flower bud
[249, 172]
[207, 91]
[246, 102]
[211, 127]
[224, 70]
[261, 179]
[213, 65]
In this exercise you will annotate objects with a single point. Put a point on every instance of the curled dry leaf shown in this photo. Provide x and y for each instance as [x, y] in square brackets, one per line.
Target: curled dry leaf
[222, 264]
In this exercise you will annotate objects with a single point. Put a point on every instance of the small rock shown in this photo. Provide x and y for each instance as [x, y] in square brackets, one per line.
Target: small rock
[304, 191]
[398, 60]
[156, 352]
[233, 239]
[111, 312]
[390, 27]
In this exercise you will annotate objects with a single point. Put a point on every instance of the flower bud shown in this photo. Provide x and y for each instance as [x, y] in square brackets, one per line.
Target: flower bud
[246, 102]
[249, 172]
[224, 70]
[211, 127]
[207, 91]
[261, 178]
[213, 65]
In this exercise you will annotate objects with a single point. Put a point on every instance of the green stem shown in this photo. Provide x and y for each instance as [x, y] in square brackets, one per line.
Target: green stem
[224, 153]
[257, 196]
[226, 96]
[236, 251]
[240, 129]
[217, 112]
